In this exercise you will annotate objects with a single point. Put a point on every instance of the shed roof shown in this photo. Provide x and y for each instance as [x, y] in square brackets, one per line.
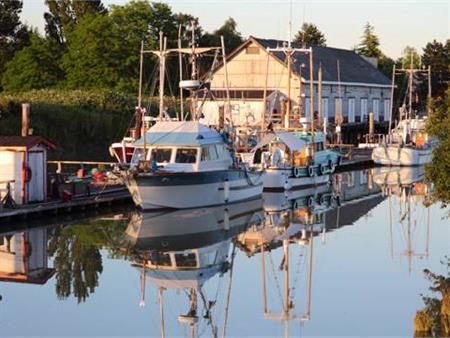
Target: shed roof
[177, 133]
[353, 67]
[25, 141]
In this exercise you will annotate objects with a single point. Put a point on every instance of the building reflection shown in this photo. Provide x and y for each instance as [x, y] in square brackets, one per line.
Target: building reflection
[24, 258]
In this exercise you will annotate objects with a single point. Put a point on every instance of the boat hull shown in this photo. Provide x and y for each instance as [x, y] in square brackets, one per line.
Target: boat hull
[153, 191]
[276, 179]
[401, 156]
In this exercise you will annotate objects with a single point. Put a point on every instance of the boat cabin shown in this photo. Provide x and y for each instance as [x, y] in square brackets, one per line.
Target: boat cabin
[182, 146]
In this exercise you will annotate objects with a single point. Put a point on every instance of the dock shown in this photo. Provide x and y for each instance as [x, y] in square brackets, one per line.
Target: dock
[95, 200]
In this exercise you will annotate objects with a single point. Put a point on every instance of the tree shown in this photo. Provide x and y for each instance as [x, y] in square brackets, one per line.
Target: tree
[438, 126]
[408, 53]
[13, 35]
[310, 35]
[437, 56]
[228, 30]
[369, 45]
[103, 50]
[34, 67]
[65, 13]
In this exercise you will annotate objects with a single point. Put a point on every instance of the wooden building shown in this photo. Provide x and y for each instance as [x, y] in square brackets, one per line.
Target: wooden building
[350, 83]
[23, 165]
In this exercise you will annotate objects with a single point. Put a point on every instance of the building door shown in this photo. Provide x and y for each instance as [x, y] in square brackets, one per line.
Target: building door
[351, 110]
[376, 111]
[363, 110]
[36, 183]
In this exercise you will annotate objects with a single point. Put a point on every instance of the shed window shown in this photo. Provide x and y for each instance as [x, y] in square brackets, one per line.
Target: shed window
[186, 155]
[161, 155]
[252, 50]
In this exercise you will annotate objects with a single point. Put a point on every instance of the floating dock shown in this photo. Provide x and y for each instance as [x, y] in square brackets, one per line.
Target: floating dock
[95, 200]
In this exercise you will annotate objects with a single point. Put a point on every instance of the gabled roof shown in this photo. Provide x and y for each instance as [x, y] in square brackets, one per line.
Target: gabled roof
[354, 69]
[186, 133]
[25, 141]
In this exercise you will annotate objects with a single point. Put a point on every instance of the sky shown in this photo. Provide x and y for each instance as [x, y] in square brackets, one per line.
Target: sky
[397, 23]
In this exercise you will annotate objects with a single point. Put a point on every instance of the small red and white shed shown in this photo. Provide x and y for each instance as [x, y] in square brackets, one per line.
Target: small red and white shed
[23, 163]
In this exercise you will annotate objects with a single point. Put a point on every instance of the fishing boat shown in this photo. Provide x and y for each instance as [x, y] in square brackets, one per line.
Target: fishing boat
[184, 164]
[294, 160]
[407, 144]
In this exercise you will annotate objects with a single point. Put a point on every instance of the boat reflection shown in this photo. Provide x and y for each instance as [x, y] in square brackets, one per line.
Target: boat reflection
[409, 198]
[183, 250]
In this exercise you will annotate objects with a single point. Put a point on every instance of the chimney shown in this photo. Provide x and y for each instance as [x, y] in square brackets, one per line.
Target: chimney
[25, 119]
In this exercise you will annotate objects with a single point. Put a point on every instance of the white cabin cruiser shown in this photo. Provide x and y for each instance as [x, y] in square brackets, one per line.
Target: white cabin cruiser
[294, 160]
[187, 165]
[409, 145]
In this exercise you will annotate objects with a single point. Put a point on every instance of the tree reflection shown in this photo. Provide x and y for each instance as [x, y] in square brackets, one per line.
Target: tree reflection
[77, 258]
[434, 319]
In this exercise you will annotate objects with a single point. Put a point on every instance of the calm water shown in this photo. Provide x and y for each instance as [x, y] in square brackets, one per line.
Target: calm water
[345, 260]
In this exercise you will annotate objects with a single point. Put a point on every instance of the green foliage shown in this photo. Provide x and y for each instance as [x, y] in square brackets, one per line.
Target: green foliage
[231, 36]
[82, 123]
[310, 35]
[409, 55]
[385, 65]
[63, 14]
[439, 126]
[437, 56]
[13, 35]
[370, 44]
[34, 67]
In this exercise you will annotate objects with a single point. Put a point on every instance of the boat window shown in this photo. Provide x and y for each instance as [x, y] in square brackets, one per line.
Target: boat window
[209, 153]
[186, 260]
[138, 156]
[185, 155]
[161, 155]
[159, 258]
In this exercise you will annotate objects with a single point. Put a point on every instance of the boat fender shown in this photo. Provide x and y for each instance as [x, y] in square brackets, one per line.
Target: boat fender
[226, 191]
[297, 171]
[311, 171]
[323, 168]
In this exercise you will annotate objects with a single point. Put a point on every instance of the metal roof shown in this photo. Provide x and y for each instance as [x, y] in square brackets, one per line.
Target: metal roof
[353, 67]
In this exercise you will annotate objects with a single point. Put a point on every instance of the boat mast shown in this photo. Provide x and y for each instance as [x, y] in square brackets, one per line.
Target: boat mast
[410, 86]
[193, 74]
[227, 88]
[141, 69]
[180, 61]
[162, 42]
[391, 110]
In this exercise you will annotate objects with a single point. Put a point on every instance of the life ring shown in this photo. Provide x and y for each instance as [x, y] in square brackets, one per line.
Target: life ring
[28, 174]
[297, 172]
[311, 171]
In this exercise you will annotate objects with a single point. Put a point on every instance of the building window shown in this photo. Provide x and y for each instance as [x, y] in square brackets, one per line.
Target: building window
[252, 50]
[387, 110]
[325, 108]
[351, 110]
[376, 110]
[338, 108]
[363, 110]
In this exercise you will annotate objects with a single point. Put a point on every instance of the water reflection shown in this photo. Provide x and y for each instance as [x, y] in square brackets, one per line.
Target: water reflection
[184, 262]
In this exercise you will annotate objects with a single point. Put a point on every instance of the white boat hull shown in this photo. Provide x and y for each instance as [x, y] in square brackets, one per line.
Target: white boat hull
[192, 190]
[281, 179]
[392, 155]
